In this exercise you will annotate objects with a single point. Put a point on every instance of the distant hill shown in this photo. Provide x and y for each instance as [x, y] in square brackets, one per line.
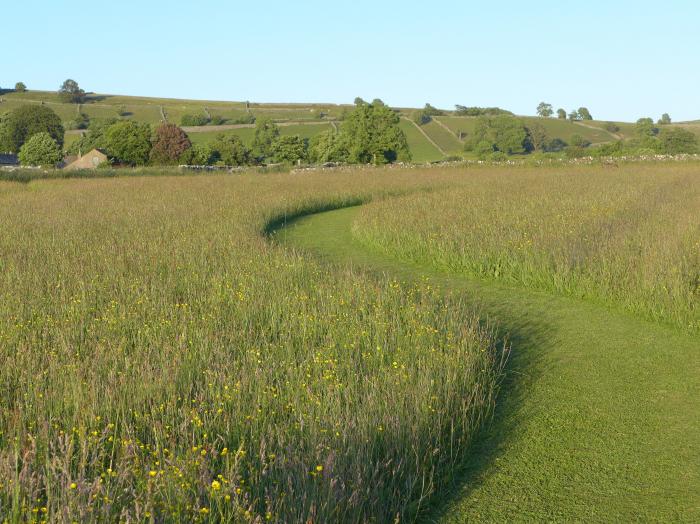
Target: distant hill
[441, 137]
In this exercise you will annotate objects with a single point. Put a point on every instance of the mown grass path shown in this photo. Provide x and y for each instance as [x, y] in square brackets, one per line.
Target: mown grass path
[599, 416]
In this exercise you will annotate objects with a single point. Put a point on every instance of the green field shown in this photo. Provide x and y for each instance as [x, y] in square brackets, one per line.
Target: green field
[247, 133]
[556, 128]
[421, 149]
[449, 344]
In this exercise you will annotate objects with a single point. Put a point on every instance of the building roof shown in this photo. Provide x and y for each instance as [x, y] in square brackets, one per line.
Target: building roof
[90, 160]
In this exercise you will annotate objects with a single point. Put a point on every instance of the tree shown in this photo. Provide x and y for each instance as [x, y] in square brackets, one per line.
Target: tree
[480, 111]
[371, 134]
[199, 155]
[502, 133]
[94, 138]
[676, 140]
[545, 110]
[20, 87]
[266, 134]
[40, 150]
[421, 117]
[665, 119]
[290, 149]
[561, 114]
[574, 115]
[358, 101]
[25, 121]
[584, 113]
[70, 92]
[169, 144]
[432, 111]
[579, 141]
[536, 137]
[327, 147]
[645, 128]
[231, 150]
[129, 142]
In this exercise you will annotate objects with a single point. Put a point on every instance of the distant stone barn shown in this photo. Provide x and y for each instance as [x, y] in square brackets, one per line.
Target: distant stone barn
[88, 161]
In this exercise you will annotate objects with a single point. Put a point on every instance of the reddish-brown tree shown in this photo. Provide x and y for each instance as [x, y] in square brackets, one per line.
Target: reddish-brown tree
[170, 142]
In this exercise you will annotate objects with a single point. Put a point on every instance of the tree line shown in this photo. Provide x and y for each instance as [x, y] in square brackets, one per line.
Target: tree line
[369, 133]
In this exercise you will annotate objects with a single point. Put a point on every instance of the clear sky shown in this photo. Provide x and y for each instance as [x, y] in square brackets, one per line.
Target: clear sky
[621, 59]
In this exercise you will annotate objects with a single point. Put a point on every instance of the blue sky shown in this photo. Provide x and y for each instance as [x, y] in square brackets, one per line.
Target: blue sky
[621, 59]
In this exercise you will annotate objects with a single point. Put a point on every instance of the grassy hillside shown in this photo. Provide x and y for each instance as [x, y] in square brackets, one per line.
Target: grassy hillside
[421, 149]
[442, 130]
[556, 128]
[246, 133]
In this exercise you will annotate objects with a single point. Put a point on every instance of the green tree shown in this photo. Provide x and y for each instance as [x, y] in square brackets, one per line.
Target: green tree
[371, 134]
[665, 119]
[574, 115]
[129, 142]
[561, 114]
[503, 133]
[327, 147]
[231, 150]
[20, 87]
[432, 111]
[537, 137]
[199, 155]
[584, 113]
[169, 144]
[421, 117]
[266, 134]
[40, 150]
[27, 120]
[291, 149]
[94, 138]
[645, 128]
[70, 92]
[579, 141]
[545, 110]
[676, 140]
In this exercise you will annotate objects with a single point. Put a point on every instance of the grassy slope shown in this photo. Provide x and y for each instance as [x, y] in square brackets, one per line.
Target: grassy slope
[246, 133]
[446, 140]
[555, 128]
[421, 149]
[598, 420]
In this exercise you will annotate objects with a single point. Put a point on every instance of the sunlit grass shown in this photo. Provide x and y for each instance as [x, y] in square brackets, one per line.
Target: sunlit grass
[159, 357]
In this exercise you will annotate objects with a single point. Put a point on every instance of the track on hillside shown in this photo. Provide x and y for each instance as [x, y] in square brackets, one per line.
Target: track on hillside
[598, 419]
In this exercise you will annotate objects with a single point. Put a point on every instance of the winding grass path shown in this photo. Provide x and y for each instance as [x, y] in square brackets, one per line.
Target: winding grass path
[599, 416]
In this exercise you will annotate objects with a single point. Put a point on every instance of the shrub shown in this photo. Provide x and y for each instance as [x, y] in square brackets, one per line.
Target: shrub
[579, 141]
[194, 120]
[20, 87]
[677, 140]
[40, 150]
[611, 127]
[244, 119]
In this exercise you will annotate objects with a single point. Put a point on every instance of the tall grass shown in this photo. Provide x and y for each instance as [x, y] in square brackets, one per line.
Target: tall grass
[628, 237]
[161, 359]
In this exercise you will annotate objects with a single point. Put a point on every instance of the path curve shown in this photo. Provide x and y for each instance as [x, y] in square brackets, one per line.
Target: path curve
[598, 420]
